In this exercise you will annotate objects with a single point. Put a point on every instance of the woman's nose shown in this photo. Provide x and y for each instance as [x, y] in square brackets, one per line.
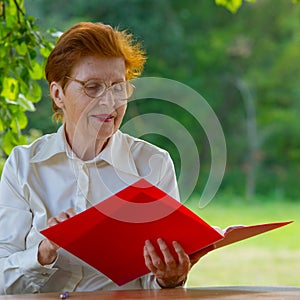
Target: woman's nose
[107, 98]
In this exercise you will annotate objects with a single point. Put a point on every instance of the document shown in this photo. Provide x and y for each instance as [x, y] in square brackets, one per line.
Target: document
[110, 236]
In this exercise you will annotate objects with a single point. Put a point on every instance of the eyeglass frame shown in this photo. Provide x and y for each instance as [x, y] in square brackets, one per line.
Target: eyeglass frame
[83, 84]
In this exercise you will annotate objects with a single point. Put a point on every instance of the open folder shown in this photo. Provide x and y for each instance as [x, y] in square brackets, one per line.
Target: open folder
[110, 236]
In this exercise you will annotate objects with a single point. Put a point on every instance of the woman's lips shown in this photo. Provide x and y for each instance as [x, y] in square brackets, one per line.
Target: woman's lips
[104, 117]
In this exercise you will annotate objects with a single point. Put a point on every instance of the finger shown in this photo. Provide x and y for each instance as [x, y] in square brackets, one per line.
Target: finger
[52, 221]
[183, 257]
[70, 212]
[148, 261]
[62, 216]
[230, 228]
[217, 228]
[155, 259]
[168, 257]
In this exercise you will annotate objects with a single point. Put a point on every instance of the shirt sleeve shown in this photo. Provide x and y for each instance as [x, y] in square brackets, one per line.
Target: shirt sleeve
[20, 269]
[149, 282]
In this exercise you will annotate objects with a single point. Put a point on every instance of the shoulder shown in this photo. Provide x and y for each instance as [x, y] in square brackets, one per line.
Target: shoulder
[29, 150]
[17, 165]
[39, 150]
[137, 145]
[32, 149]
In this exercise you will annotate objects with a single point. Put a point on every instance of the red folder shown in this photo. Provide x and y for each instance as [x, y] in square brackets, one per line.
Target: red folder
[110, 236]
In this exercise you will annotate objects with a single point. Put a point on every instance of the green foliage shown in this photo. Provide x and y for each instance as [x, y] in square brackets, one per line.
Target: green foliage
[22, 50]
[232, 5]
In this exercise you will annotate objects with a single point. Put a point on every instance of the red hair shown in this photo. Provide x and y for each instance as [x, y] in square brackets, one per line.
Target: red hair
[92, 39]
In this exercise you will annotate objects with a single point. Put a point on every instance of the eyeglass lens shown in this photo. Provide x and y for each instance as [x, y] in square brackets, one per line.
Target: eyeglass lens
[121, 91]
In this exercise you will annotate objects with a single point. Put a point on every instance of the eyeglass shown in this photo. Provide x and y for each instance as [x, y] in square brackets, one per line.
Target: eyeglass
[94, 88]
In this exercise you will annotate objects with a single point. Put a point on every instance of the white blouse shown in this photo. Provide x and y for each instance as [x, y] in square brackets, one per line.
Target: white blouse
[45, 178]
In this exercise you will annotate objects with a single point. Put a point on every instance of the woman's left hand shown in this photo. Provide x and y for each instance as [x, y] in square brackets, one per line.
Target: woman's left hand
[169, 272]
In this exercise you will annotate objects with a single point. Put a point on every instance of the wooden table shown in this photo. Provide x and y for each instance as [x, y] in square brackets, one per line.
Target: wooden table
[224, 293]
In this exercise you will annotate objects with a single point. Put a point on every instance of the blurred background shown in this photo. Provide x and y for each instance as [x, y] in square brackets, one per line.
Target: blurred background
[247, 67]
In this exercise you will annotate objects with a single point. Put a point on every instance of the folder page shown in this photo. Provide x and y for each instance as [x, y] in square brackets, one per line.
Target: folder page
[110, 236]
[238, 233]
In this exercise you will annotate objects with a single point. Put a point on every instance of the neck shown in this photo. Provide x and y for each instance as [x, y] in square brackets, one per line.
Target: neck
[86, 150]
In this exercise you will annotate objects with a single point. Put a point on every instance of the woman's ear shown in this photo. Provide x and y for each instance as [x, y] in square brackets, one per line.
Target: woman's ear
[57, 94]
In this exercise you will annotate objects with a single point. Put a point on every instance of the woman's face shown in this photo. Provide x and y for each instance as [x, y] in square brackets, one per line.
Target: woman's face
[89, 118]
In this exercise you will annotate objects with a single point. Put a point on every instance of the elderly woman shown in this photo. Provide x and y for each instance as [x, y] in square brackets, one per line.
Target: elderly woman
[85, 161]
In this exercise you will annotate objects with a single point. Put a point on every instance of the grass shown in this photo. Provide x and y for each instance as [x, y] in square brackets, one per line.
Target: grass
[272, 258]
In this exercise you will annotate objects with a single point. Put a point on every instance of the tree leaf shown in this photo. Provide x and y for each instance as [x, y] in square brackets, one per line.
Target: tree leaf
[22, 120]
[45, 51]
[19, 121]
[10, 88]
[36, 72]
[25, 103]
[1, 126]
[34, 92]
[232, 5]
[22, 48]
[2, 52]
[10, 140]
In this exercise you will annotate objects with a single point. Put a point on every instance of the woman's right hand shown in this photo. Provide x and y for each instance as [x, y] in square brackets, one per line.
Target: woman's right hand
[47, 252]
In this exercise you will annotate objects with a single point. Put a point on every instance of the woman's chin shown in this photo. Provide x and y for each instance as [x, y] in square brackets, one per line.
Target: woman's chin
[104, 134]
[101, 131]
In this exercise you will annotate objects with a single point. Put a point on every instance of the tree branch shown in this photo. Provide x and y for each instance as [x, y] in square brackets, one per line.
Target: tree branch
[2, 9]
[19, 11]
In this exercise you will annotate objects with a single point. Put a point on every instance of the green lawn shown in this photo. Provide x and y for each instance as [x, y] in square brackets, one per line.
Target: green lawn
[272, 258]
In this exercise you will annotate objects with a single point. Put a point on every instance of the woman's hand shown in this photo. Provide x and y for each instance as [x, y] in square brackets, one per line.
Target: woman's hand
[169, 272]
[47, 252]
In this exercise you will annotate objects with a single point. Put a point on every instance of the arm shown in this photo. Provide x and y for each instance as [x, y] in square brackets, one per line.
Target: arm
[21, 271]
[47, 250]
[26, 257]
